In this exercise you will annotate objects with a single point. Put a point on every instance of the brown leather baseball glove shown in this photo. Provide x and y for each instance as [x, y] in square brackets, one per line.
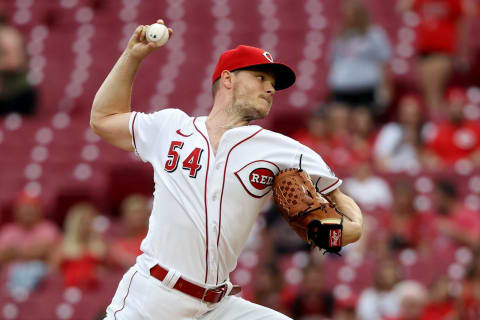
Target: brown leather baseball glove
[313, 216]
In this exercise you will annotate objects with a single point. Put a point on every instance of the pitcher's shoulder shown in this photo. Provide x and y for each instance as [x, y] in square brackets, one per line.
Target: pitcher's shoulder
[167, 116]
[175, 112]
[278, 137]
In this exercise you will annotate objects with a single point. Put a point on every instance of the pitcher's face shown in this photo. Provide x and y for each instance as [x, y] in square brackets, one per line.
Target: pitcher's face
[253, 93]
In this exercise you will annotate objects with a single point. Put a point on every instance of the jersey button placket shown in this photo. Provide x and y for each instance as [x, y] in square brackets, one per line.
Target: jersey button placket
[214, 249]
[215, 196]
[215, 180]
[212, 261]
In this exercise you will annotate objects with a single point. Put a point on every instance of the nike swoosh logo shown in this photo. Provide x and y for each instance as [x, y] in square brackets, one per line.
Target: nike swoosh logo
[182, 134]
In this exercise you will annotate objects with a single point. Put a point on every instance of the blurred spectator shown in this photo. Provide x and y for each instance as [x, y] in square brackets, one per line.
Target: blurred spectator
[368, 190]
[327, 133]
[441, 304]
[16, 93]
[26, 243]
[268, 287]
[469, 302]
[412, 297]
[404, 223]
[398, 144]
[82, 249]
[351, 136]
[345, 309]
[135, 212]
[341, 136]
[380, 301]
[363, 134]
[358, 57]
[453, 223]
[455, 138]
[442, 36]
[279, 238]
[315, 134]
[314, 300]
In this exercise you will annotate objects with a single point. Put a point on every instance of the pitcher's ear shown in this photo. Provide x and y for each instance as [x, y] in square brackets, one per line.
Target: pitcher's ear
[227, 79]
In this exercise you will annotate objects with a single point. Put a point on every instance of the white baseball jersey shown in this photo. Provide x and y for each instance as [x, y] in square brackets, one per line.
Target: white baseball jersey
[206, 203]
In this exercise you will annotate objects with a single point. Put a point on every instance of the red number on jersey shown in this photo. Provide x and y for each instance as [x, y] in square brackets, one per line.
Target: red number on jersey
[192, 162]
[172, 162]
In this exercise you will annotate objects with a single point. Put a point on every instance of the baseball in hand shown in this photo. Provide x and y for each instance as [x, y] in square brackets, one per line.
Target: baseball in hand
[158, 33]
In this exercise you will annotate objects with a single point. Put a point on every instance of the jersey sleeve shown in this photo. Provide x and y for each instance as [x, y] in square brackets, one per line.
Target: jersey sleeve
[147, 128]
[322, 176]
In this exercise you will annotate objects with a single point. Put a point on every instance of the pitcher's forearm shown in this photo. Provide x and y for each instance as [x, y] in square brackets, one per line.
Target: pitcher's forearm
[110, 115]
[353, 220]
[114, 95]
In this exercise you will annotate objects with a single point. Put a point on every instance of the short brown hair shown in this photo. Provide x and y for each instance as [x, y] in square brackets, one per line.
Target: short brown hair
[215, 85]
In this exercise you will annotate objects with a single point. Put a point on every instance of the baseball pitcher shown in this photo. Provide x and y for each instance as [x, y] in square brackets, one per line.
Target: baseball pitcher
[213, 175]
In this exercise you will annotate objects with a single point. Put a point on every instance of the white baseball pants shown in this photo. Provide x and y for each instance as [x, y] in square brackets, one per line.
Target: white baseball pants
[141, 296]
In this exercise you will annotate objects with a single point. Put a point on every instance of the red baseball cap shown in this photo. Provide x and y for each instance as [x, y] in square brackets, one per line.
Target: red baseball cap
[245, 57]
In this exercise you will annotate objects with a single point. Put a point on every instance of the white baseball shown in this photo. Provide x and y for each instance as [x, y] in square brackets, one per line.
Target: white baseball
[157, 33]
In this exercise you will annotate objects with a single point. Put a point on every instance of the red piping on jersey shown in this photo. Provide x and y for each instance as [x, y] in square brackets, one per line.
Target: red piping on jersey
[125, 298]
[205, 200]
[223, 186]
[329, 186]
[133, 131]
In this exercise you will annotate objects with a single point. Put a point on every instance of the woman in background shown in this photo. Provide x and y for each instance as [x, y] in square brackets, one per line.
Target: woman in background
[398, 147]
[358, 57]
[16, 91]
[82, 249]
[442, 35]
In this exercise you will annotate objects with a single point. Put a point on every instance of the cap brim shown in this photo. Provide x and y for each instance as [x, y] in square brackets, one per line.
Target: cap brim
[284, 75]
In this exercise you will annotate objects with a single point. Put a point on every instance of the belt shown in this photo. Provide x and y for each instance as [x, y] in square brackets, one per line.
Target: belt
[213, 295]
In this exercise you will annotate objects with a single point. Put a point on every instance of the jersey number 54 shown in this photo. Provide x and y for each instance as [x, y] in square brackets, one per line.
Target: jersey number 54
[191, 163]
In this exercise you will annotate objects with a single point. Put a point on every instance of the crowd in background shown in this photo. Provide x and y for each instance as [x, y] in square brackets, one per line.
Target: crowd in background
[16, 93]
[366, 137]
[79, 251]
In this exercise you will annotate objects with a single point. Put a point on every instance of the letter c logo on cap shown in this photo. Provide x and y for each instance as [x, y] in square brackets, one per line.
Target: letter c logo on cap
[268, 56]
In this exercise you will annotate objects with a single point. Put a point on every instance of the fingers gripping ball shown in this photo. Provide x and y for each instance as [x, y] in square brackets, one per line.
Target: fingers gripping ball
[157, 33]
[313, 217]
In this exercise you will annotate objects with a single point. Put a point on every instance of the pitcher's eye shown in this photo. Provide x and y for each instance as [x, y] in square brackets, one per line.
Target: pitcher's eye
[261, 78]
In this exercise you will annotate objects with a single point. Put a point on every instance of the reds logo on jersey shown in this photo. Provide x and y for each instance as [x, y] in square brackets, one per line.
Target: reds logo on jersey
[257, 177]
